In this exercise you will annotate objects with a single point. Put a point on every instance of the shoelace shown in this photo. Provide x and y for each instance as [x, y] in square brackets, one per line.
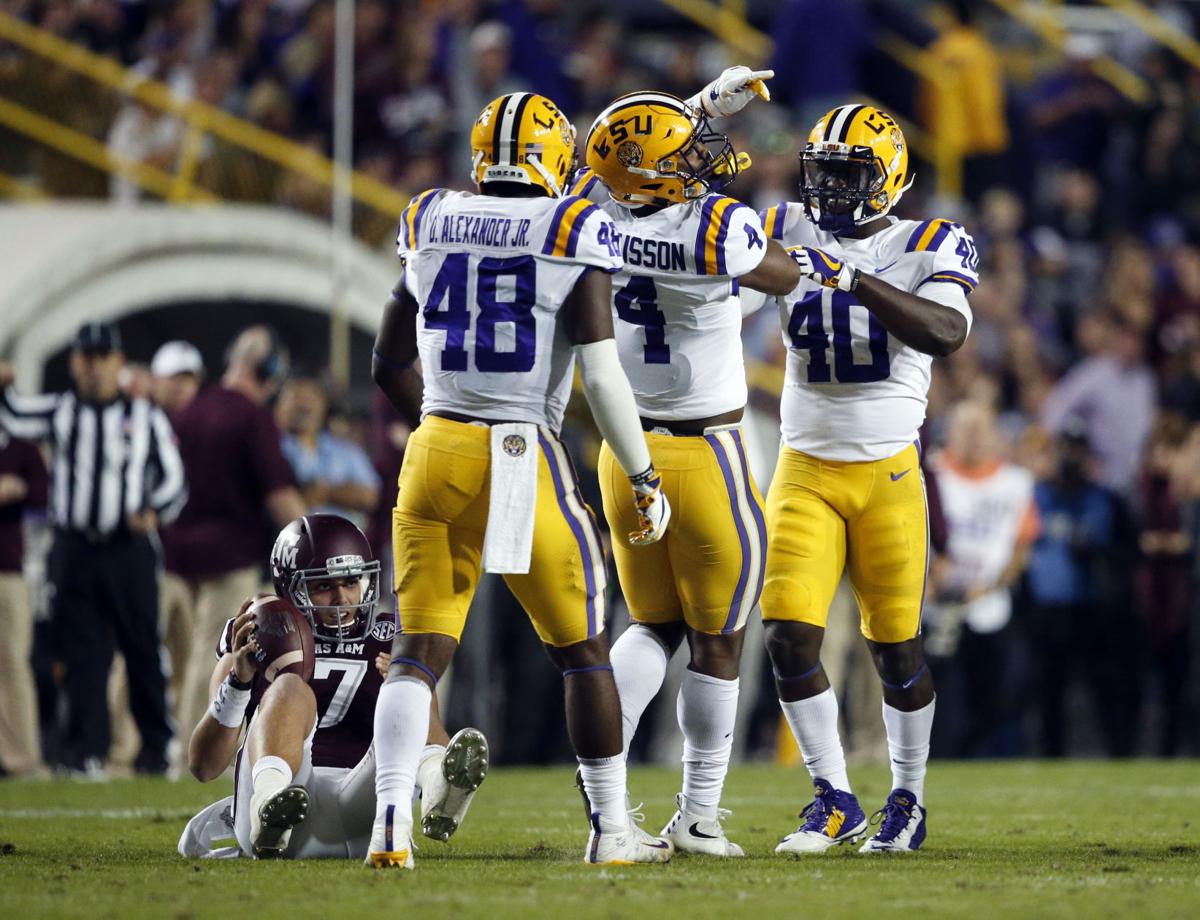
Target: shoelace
[815, 815]
[892, 819]
[636, 815]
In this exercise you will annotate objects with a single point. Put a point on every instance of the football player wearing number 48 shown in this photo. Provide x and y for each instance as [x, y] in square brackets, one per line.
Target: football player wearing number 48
[503, 291]
[657, 168]
[882, 298]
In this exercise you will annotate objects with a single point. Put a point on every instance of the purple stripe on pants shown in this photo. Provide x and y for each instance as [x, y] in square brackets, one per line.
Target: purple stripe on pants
[589, 567]
[743, 537]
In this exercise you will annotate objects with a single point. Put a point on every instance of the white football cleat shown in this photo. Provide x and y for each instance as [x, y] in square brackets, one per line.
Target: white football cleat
[391, 842]
[626, 847]
[272, 817]
[448, 783]
[692, 833]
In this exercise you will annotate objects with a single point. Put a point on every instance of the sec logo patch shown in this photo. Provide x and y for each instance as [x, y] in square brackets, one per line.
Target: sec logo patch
[384, 630]
[514, 445]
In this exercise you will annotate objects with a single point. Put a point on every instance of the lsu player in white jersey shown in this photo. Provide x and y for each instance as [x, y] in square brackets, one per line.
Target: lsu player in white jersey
[660, 169]
[502, 292]
[883, 297]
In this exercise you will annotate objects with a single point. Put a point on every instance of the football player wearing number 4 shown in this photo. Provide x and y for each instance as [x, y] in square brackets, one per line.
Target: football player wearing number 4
[503, 291]
[882, 299]
[687, 250]
[304, 776]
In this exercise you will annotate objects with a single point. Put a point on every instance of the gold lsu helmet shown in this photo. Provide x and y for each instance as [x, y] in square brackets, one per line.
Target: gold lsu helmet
[523, 138]
[854, 167]
[653, 148]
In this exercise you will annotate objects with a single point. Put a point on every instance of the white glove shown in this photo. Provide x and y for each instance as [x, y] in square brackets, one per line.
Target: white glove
[653, 509]
[732, 91]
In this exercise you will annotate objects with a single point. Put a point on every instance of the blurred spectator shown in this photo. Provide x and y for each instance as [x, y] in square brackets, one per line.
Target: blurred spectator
[116, 474]
[241, 485]
[335, 475]
[1165, 582]
[1113, 392]
[1077, 524]
[142, 134]
[991, 523]
[23, 490]
[1072, 109]
[965, 106]
[177, 370]
[388, 438]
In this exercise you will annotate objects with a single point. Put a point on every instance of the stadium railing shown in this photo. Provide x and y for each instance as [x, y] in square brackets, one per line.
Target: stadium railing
[1158, 28]
[1043, 21]
[61, 100]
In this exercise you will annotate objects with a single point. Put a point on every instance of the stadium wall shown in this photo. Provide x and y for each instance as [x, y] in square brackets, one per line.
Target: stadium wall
[64, 264]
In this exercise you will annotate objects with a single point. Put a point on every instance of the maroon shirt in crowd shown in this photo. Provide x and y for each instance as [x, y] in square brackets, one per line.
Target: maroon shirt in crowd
[19, 458]
[386, 457]
[233, 460]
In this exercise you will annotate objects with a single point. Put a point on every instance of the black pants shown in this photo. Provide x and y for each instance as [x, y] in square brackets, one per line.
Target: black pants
[104, 593]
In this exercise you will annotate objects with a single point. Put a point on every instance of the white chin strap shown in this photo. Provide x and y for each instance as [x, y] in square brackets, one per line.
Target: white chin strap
[536, 162]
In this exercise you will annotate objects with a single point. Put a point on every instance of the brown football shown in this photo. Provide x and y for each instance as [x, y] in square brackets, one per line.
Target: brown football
[284, 637]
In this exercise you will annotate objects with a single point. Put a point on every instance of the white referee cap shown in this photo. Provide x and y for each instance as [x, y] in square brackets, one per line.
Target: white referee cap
[177, 357]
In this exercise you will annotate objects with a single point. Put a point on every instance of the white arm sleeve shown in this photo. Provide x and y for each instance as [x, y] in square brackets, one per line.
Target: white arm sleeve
[613, 407]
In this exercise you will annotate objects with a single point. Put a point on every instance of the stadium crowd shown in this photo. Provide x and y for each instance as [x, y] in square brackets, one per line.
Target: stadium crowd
[1081, 373]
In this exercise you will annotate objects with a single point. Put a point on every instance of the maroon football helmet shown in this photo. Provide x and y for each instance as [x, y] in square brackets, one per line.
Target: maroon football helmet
[319, 547]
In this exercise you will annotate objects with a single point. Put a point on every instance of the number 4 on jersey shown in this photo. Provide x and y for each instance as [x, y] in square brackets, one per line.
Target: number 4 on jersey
[637, 303]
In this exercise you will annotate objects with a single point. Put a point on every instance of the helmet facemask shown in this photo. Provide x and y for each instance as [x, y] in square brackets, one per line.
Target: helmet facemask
[706, 163]
[338, 622]
[841, 187]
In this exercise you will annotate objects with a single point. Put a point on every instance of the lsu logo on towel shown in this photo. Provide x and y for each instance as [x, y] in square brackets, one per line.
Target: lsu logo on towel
[514, 445]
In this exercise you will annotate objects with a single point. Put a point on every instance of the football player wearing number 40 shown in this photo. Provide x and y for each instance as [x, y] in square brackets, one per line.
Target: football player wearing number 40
[657, 168]
[882, 298]
[304, 777]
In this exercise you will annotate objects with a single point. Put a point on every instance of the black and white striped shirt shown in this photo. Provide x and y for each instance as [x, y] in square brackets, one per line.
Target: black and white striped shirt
[108, 460]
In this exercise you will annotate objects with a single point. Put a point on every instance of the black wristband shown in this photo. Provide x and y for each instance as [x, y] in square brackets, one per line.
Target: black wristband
[854, 280]
[237, 684]
[645, 477]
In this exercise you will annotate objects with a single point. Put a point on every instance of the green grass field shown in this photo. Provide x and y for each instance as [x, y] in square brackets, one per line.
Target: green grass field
[1075, 839]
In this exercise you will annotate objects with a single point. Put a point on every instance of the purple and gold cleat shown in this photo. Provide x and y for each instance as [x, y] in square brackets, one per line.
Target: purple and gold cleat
[901, 825]
[833, 817]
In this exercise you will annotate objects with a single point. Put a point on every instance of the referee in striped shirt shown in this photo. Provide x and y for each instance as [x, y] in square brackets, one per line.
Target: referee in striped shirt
[115, 475]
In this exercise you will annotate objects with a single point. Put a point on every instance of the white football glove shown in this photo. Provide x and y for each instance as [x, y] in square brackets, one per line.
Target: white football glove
[653, 509]
[732, 91]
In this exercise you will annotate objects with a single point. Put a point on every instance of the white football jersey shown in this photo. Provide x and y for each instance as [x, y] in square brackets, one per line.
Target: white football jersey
[678, 318]
[853, 391]
[490, 275]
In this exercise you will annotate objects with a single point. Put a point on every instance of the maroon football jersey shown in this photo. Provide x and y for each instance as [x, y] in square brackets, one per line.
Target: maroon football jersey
[346, 683]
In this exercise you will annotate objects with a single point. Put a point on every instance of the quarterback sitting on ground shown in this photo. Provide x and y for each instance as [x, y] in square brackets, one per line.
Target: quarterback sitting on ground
[882, 298]
[304, 776]
[657, 168]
